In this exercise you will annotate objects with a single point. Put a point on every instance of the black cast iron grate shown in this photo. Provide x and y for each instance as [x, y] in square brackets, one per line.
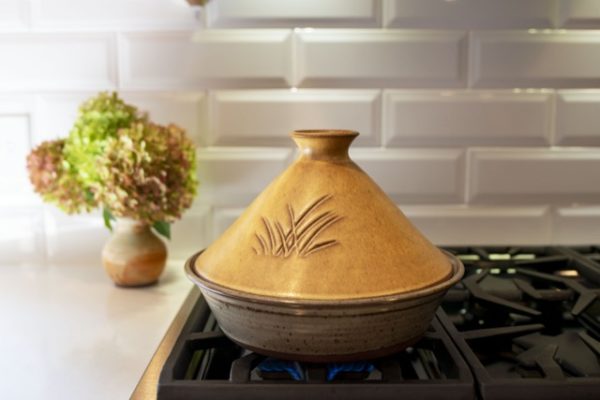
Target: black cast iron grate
[527, 320]
[205, 364]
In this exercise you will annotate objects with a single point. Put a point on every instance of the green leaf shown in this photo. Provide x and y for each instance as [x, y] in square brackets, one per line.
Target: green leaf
[108, 217]
[163, 228]
[89, 196]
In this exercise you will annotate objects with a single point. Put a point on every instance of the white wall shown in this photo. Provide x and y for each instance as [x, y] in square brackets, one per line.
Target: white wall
[478, 117]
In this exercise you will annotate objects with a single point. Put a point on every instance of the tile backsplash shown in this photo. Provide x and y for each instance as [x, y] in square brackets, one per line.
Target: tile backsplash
[480, 118]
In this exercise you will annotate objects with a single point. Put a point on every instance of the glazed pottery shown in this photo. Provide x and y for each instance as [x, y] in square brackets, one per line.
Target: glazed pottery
[134, 255]
[324, 331]
[320, 260]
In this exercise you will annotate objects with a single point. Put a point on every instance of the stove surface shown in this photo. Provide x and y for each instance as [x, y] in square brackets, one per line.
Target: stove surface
[205, 363]
[527, 320]
[523, 322]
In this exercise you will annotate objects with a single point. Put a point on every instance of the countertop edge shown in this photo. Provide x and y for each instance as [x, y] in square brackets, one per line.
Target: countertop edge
[148, 384]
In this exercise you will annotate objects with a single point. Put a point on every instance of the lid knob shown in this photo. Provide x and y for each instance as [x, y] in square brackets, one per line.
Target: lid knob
[324, 144]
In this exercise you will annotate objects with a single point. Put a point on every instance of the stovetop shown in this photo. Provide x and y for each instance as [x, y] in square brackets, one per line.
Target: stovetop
[527, 321]
[523, 322]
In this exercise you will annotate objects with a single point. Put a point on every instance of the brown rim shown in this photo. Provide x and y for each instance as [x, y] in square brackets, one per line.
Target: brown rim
[305, 133]
[457, 273]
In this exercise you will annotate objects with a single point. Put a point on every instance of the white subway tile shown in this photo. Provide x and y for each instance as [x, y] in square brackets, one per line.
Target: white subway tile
[57, 61]
[56, 113]
[14, 136]
[578, 117]
[415, 175]
[579, 14]
[266, 117]
[112, 14]
[189, 110]
[16, 103]
[14, 15]
[468, 14]
[190, 234]
[577, 224]
[235, 176]
[466, 118]
[223, 218]
[538, 175]
[379, 58]
[15, 143]
[212, 58]
[22, 237]
[482, 225]
[293, 13]
[534, 58]
[74, 239]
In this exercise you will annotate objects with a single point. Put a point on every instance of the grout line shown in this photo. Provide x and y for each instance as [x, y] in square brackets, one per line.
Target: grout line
[552, 136]
[466, 60]
[33, 111]
[211, 123]
[556, 15]
[552, 237]
[467, 176]
[379, 14]
[294, 59]
[117, 50]
[27, 12]
[383, 118]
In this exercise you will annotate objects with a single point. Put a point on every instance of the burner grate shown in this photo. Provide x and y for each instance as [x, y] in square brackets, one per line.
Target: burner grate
[527, 320]
[592, 253]
[204, 363]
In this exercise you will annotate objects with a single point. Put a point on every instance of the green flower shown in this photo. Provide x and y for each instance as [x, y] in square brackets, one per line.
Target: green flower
[98, 120]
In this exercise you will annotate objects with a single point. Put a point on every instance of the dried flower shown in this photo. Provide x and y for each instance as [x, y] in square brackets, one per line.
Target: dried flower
[116, 159]
[53, 182]
[147, 173]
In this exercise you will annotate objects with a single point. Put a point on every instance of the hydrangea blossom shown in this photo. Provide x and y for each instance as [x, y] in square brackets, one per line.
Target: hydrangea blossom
[147, 172]
[53, 182]
[116, 159]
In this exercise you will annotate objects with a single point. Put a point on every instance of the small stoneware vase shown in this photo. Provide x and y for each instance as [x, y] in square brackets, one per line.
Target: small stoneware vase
[134, 255]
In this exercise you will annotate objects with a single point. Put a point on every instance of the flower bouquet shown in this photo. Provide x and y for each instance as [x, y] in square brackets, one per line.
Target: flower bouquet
[140, 173]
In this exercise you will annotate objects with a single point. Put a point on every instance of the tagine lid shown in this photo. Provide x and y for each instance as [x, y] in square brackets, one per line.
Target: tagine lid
[323, 230]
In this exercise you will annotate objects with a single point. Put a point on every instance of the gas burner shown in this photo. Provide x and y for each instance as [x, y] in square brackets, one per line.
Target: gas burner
[528, 321]
[270, 368]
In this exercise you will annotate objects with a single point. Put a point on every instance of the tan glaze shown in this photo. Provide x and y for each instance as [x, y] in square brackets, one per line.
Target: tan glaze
[324, 330]
[134, 255]
[323, 230]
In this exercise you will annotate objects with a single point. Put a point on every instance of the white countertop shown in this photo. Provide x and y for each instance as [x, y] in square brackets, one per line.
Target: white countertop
[66, 332]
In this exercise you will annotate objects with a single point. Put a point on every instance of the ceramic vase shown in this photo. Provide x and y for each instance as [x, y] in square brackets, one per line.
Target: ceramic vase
[134, 256]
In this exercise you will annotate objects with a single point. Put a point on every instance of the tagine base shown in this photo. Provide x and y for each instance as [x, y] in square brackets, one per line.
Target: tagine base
[332, 358]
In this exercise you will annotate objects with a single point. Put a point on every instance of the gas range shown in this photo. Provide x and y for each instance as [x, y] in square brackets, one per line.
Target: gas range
[523, 322]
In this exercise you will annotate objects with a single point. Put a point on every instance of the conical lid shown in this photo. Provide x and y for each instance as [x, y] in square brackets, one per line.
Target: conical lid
[323, 230]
